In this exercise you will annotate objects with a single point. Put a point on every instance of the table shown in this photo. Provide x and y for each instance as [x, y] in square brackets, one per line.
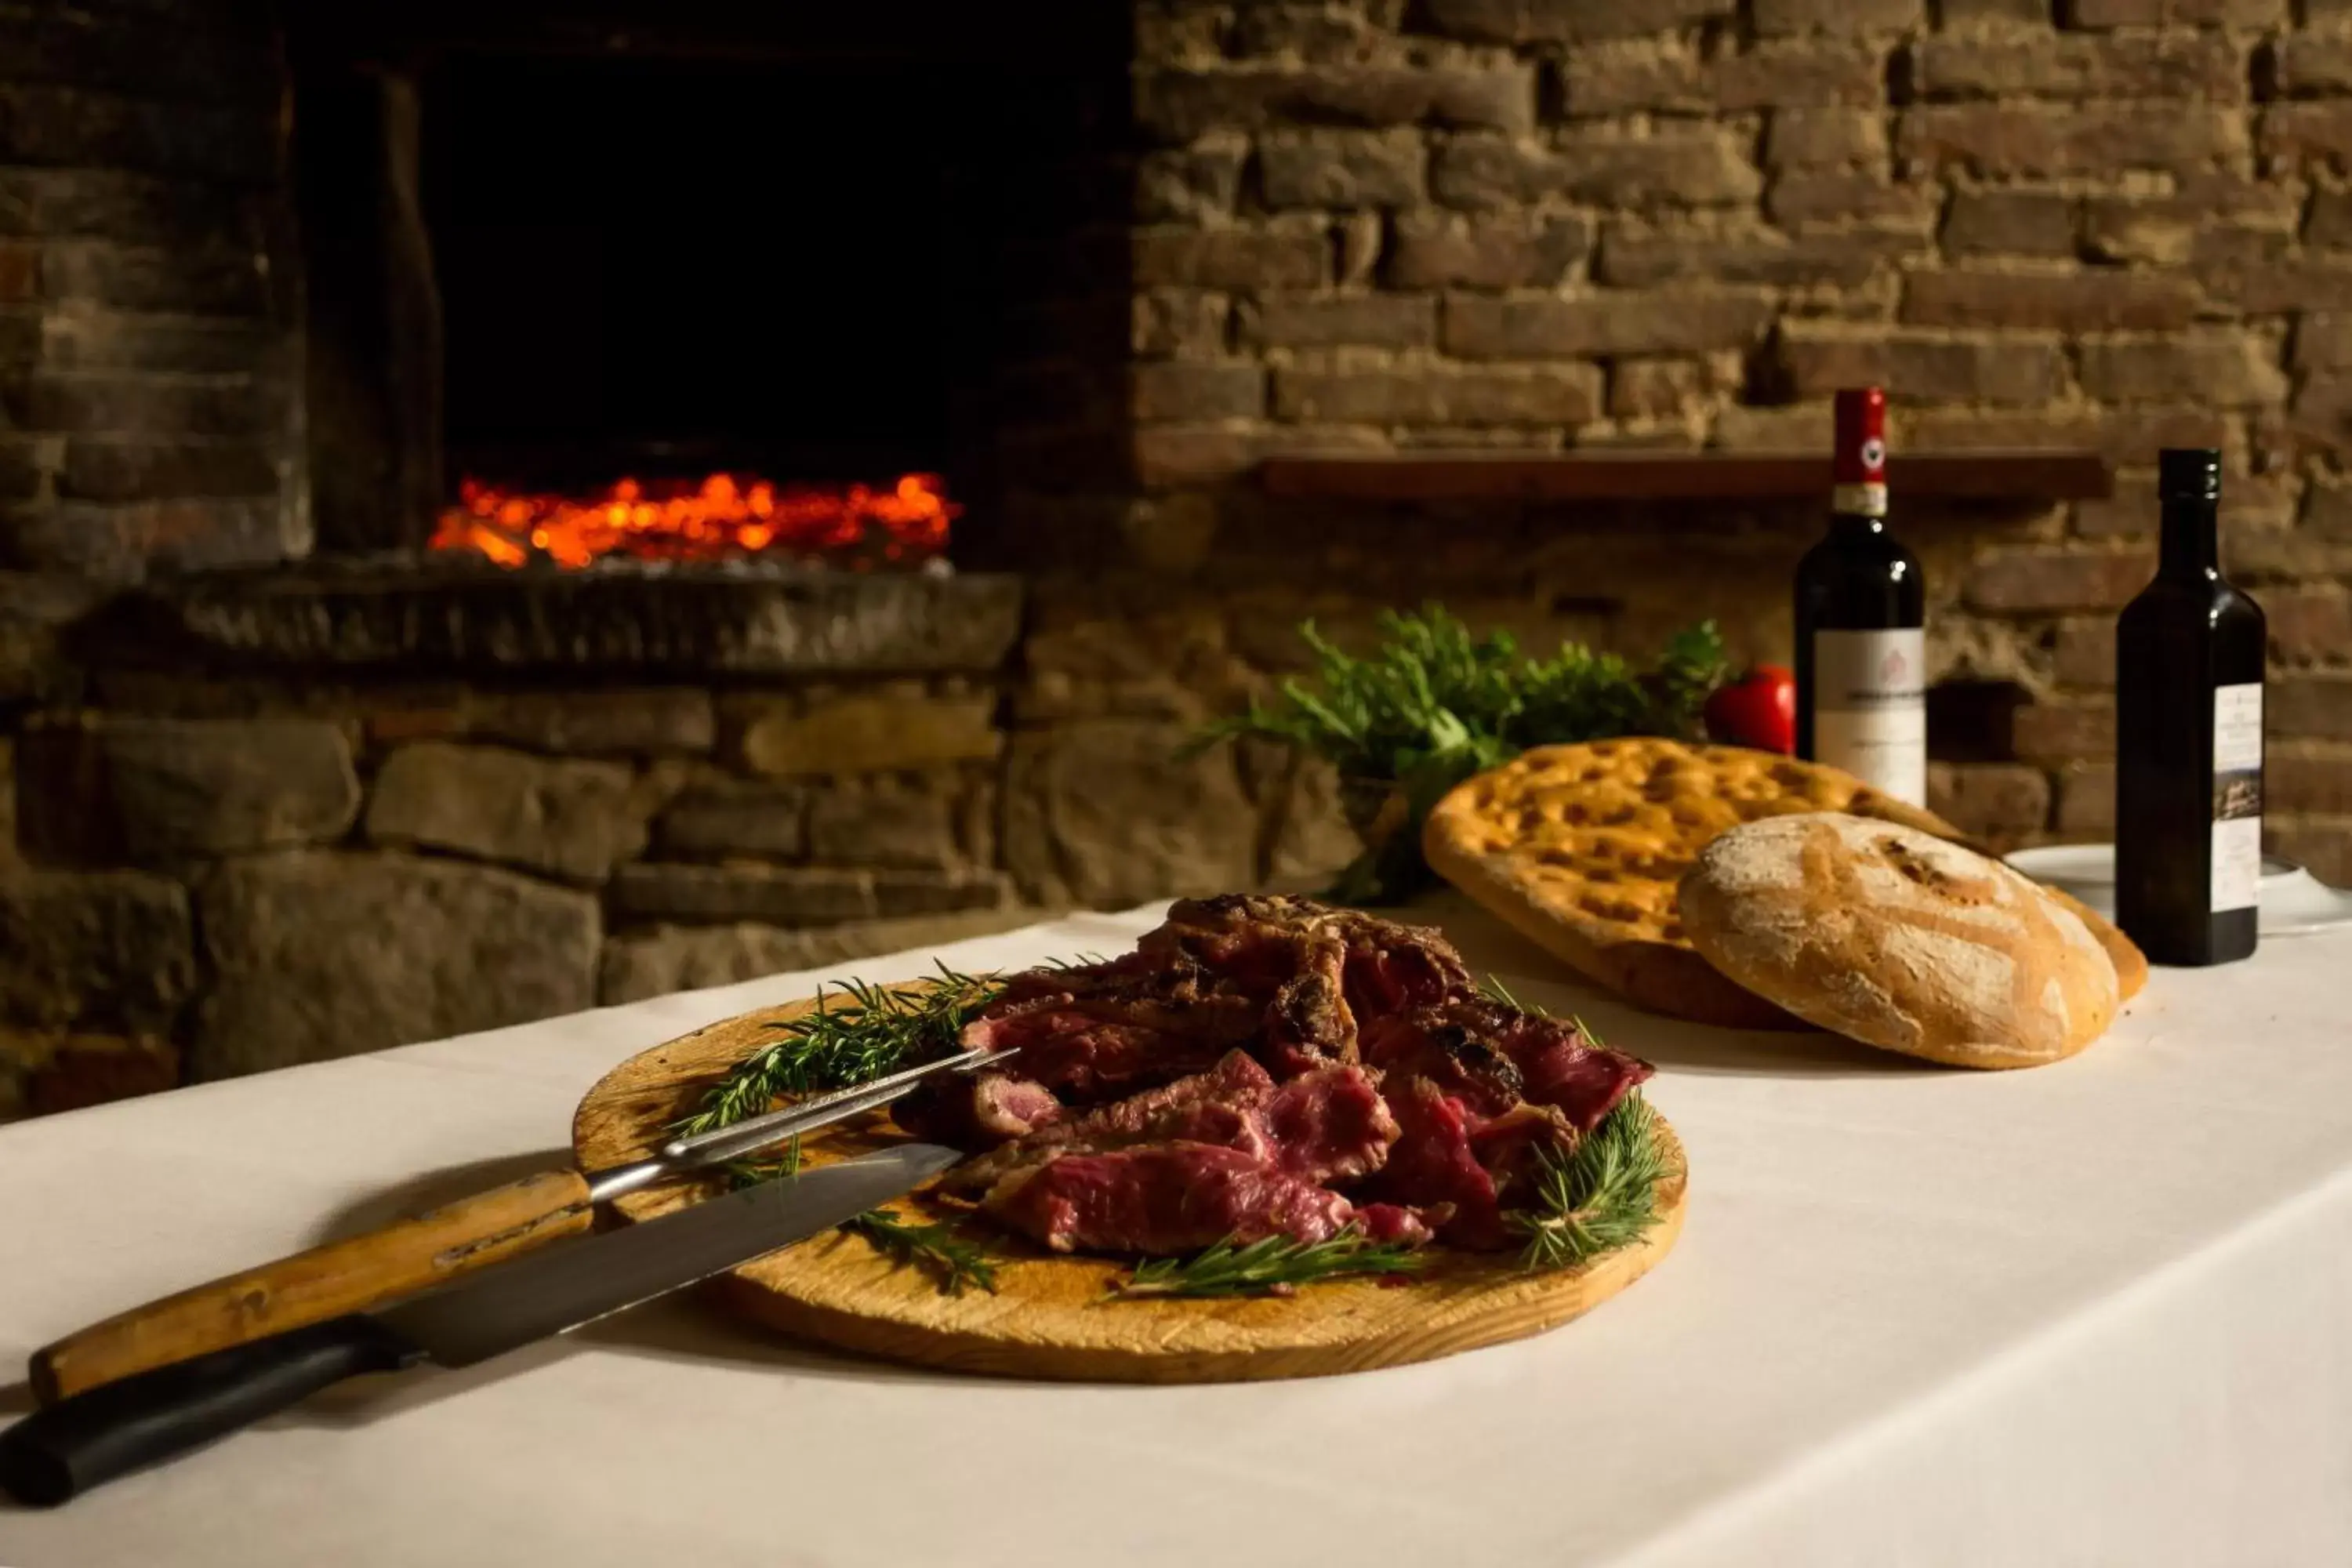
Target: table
[2094, 1313]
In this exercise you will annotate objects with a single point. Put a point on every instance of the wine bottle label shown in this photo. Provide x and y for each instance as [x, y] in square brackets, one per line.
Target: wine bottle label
[2237, 796]
[1870, 708]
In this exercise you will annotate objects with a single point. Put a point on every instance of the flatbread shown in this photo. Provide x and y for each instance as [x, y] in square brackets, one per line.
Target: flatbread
[1898, 939]
[1579, 848]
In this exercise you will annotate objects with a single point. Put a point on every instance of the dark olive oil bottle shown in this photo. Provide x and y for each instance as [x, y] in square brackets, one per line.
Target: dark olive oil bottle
[2189, 738]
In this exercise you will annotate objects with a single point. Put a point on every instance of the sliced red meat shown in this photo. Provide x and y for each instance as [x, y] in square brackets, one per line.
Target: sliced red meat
[1429, 1044]
[1250, 1055]
[1564, 1067]
[1329, 1126]
[1389, 1224]
[1395, 968]
[1095, 1049]
[1272, 950]
[1253, 941]
[1492, 1056]
[1219, 1106]
[1432, 1163]
[977, 1111]
[1508, 1147]
[1307, 1024]
[1164, 1198]
[1132, 977]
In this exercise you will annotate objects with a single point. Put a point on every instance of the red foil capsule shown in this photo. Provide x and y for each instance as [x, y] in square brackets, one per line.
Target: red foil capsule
[1859, 473]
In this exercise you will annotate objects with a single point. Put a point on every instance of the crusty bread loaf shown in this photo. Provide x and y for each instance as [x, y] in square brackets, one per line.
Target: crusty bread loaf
[1899, 939]
[2131, 963]
[1580, 847]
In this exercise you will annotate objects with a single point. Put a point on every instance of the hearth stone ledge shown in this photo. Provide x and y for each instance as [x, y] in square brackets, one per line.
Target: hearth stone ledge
[420, 616]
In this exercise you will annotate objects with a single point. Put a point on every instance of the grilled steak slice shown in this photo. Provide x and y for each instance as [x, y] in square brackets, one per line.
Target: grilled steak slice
[1508, 1147]
[1393, 1224]
[1560, 1065]
[1448, 1157]
[1307, 1024]
[1099, 1047]
[1386, 967]
[1117, 976]
[1249, 940]
[1565, 1070]
[1492, 1056]
[1252, 1054]
[1329, 1126]
[977, 1111]
[1273, 951]
[1219, 1106]
[1432, 1163]
[1394, 968]
[1429, 1044]
[1164, 1198]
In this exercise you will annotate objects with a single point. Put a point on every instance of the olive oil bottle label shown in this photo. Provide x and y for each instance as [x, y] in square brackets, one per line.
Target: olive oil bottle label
[1870, 708]
[2237, 796]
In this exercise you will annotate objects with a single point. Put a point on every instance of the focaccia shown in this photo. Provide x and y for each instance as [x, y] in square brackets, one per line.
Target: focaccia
[1579, 848]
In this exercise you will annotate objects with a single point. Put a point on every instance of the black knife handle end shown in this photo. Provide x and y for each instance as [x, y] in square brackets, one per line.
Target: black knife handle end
[97, 1435]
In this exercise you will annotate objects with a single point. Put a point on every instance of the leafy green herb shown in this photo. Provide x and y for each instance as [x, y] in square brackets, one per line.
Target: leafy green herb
[741, 1173]
[1434, 705]
[1494, 990]
[858, 1035]
[1273, 1266]
[841, 1044]
[1600, 1196]
[936, 1248]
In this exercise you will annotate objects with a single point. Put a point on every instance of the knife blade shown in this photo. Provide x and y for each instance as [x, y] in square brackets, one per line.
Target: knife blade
[93, 1436]
[419, 1254]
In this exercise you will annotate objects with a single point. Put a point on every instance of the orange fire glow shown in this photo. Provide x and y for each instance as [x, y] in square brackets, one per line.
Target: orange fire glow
[720, 519]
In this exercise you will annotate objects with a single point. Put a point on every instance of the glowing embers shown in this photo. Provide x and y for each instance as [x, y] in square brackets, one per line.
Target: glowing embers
[722, 519]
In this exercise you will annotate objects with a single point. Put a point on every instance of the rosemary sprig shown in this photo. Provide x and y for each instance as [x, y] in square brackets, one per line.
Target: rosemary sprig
[741, 1173]
[937, 1247]
[1275, 1266]
[1597, 1197]
[838, 1044]
[1600, 1195]
[858, 1035]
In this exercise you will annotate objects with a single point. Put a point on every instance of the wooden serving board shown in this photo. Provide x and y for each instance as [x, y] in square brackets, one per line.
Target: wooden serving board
[1049, 1316]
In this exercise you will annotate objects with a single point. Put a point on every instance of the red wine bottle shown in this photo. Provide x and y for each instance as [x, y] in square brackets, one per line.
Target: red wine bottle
[2189, 738]
[1861, 610]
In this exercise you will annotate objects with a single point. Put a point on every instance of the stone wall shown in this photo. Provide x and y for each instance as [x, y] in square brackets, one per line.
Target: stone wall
[149, 286]
[212, 864]
[1368, 226]
[321, 817]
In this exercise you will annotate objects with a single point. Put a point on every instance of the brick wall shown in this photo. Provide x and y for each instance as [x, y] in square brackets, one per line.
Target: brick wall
[2123, 224]
[147, 285]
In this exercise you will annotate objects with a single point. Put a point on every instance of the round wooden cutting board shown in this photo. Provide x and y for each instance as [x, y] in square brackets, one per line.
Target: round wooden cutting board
[1049, 1316]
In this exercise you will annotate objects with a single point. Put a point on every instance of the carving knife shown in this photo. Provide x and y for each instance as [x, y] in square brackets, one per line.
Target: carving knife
[428, 1250]
[92, 1437]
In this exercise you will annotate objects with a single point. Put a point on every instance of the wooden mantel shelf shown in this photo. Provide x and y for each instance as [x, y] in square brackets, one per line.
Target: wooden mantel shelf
[2044, 476]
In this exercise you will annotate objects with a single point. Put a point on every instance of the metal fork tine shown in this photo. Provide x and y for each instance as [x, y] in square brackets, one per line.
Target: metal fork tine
[731, 1142]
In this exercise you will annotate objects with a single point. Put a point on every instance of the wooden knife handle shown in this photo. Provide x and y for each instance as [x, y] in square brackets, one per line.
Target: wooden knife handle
[328, 1281]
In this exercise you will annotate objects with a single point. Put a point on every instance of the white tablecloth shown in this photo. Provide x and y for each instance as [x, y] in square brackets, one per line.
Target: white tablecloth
[2096, 1313]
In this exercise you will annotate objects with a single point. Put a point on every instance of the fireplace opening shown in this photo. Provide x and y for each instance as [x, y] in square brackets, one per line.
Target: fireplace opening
[774, 298]
[662, 269]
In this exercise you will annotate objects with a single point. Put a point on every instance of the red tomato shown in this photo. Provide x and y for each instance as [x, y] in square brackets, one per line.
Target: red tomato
[1758, 710]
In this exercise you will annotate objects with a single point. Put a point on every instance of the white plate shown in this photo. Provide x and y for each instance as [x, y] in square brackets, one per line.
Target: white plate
[2293, 900]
